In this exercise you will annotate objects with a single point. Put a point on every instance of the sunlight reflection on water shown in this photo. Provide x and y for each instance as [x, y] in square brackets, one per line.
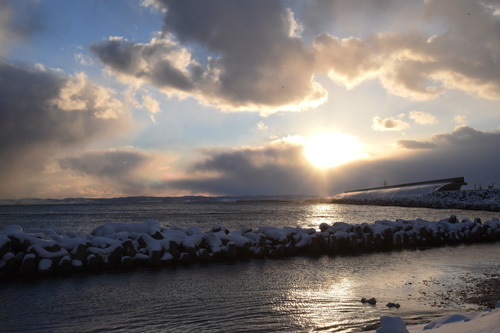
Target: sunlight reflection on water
[295, 294]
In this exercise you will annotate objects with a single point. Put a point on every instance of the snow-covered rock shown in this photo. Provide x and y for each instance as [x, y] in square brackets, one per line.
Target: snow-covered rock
[126, 245]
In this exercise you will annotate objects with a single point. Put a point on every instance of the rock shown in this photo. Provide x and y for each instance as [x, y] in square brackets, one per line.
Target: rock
[168, 258]
[9, 263]
[77, 265]
[393, 305]
[127, 262]
[333, 246]
[29, 265]
[157, 235]
[141, 259]
[129, 248]
[5, 244]
[259, 253]
[79, 252]
[92, 262]
[185, 258]
[18, 244]
[45, 266]
[115, 257]
[203, 256]
[371, 301]
[155, 257]
[65, 265]
[323, 227]
[392, 325]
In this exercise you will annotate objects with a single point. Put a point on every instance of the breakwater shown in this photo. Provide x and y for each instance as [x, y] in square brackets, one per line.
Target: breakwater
[39, 252]
[486, 200]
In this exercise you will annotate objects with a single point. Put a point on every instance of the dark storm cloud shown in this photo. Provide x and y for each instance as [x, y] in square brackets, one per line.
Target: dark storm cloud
[34, 128]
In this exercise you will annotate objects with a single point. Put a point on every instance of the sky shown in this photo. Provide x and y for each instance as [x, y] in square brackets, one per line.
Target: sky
[111, 98]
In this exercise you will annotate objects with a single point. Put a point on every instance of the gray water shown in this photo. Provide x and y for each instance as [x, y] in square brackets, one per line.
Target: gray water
[294, 294]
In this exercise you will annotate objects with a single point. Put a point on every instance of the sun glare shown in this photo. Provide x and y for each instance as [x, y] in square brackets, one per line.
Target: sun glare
[332, 149]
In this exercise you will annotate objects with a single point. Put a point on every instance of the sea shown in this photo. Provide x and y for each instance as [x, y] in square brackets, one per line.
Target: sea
[299, 294]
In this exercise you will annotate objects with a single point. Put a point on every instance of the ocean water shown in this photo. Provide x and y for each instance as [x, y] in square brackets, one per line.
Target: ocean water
[293, 294]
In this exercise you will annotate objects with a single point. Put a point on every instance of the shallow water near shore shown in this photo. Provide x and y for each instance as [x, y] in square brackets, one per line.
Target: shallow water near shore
[293, 294]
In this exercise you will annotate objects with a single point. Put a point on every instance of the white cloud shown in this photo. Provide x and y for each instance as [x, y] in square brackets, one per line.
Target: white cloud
[422, 117]
[79, 94]
[261, 126]
[461, 119]
[83, 59]
[389, 124]
[254, 70]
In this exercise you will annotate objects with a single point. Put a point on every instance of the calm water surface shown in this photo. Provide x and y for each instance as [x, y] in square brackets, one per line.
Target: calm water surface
[295, 294]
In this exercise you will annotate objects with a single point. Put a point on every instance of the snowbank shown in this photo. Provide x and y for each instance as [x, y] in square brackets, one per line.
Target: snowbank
[478, 322]
[124, 245]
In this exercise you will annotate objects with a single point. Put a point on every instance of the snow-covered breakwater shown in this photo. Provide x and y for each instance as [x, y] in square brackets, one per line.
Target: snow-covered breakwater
[488, 200]
[125, 245]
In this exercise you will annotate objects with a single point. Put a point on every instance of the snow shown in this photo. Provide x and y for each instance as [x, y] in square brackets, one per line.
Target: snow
[47, 254]
[148, 227]
[44, 265]
[487, 321]
[425, 196]
[392, 325]
[397, 192]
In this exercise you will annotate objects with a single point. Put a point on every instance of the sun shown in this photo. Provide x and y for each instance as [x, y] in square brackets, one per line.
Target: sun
[329, 150]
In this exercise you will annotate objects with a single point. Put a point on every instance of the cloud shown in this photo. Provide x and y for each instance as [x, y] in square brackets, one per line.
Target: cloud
[43, 115]
[140, 98]
[117, 169]
[256, 62]
[280, 167]
[107, 164]
[460, 119]
[261, 126]
[19, 20]
[161, 62]
[461, 136]
[412, 144]
[79, 94]
[422, 117]
[465, 135]
[260, 62]
[389, 124]
[276, 168]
